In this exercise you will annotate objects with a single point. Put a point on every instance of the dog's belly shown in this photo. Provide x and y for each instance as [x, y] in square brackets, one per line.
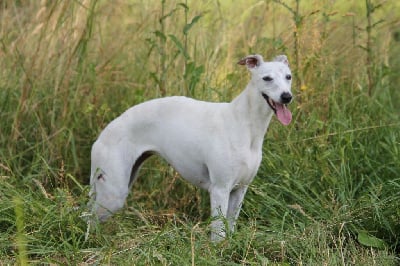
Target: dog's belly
[191, 168]
[214, 168]
[196, 175]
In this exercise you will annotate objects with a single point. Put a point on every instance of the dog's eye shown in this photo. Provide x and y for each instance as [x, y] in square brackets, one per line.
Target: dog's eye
[268, 78]
[288, 77]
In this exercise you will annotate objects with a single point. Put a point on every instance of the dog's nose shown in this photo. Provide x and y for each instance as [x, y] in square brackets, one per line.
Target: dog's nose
[286, 97]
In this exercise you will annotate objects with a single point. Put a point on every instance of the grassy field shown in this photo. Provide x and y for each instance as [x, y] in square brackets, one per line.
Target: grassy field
[328, 189]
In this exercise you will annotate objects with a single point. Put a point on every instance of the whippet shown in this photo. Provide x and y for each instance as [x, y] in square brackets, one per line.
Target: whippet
[215, 146]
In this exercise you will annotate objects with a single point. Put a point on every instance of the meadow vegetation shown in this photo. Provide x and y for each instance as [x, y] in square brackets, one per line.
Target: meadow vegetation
[328, 189]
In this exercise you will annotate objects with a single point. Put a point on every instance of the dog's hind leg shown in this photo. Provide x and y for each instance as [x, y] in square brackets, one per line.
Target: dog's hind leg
[108, 195]
[111, 171]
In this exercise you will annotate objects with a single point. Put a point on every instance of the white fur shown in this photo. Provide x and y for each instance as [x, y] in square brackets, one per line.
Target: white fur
[215, 146]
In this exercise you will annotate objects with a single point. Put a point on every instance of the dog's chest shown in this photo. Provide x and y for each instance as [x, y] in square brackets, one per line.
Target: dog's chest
[248, 167]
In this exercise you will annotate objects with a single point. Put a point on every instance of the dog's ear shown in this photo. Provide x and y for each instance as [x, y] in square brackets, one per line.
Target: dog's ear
[251, 61]
[282, 58]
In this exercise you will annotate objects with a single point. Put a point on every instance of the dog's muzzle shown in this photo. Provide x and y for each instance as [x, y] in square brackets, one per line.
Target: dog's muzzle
[286, 98]
[269, 101]
[282, 113]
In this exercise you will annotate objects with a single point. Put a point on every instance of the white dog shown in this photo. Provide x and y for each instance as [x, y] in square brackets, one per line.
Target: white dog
[215, 146]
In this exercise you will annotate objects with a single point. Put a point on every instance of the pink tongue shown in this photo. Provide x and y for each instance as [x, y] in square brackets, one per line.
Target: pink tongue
[283, 114]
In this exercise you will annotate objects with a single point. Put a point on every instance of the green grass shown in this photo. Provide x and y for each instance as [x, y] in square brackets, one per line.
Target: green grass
[328, 189]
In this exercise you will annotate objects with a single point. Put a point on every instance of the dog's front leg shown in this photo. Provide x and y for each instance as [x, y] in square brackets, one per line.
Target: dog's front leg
[219, 198]
[235, 204]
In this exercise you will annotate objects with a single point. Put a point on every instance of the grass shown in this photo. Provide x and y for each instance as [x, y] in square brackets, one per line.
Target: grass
[328, 189]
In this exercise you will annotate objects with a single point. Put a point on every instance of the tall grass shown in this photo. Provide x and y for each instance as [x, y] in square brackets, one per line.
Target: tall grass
[327, 191]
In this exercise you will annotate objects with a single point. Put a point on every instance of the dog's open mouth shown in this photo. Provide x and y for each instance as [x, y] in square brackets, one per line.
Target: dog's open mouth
[282, 112]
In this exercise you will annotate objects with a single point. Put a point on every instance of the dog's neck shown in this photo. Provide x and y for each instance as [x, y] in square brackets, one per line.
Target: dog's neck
[252, 112]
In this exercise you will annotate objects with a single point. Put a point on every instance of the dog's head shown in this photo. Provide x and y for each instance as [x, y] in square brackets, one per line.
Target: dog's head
[273, 81]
